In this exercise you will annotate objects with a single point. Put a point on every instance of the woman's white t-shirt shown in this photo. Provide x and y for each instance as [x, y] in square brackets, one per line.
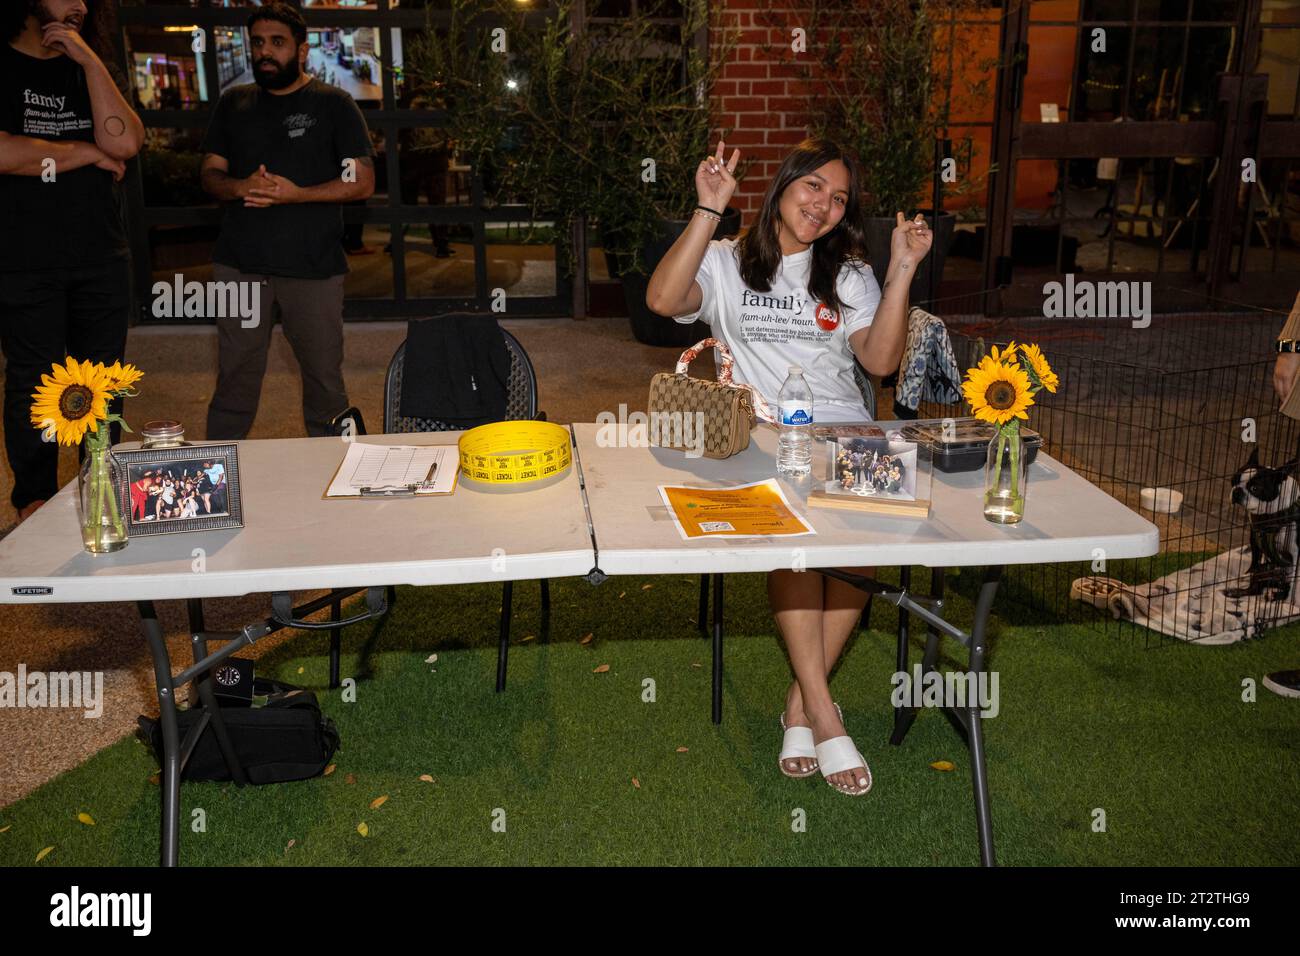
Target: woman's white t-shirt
[768, 332]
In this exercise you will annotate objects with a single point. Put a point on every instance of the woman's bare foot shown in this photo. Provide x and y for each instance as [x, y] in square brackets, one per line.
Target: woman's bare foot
[826, 723]
[802, 766]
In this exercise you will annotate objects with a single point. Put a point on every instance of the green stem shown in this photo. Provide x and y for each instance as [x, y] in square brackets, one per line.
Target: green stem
[1014, 439]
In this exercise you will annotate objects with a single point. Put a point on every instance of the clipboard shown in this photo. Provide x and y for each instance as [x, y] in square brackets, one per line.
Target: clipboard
[385, 471]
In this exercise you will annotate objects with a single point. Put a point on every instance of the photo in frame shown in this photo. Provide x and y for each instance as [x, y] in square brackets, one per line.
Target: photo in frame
[873, 474]
[185, 488]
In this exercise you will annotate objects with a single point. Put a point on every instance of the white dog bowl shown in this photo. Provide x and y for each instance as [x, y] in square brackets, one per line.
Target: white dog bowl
[1161, 500]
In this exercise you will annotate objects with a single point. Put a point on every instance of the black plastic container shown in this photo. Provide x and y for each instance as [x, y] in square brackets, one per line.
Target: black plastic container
[967, 446]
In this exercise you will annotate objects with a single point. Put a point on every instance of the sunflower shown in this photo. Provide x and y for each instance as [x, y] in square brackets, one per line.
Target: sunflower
[998, 393]
[74, 400]
[121, 377]
[1007, 356]
[1039, 367]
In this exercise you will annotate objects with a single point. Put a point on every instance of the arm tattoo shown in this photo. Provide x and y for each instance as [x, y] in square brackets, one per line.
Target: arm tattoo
[114, 126]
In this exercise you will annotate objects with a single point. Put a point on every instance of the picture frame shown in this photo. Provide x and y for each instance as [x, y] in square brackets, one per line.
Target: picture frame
[179, 489]
[883, 475]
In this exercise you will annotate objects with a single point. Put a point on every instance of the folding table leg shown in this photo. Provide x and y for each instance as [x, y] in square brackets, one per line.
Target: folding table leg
[171, 763]
[503, 642]
[902, 718]
[905, 716]
[979, 770]
[199, 646]
[336, 640]
[704, 605]
[717, 648]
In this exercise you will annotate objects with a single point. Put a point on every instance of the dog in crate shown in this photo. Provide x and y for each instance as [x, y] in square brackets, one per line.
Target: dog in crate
[1271, 497]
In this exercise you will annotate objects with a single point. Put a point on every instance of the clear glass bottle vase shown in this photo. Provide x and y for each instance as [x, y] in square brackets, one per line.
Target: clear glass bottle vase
[103, 526]
[1006, 477]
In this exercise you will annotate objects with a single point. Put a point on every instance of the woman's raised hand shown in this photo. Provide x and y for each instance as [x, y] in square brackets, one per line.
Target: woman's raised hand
[910, 241]
[714, 182]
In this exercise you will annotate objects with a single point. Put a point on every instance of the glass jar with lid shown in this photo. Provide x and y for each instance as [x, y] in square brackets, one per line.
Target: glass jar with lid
[163, 434]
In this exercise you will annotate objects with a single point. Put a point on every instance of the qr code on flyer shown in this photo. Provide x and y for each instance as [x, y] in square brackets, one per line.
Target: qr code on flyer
[712, 526]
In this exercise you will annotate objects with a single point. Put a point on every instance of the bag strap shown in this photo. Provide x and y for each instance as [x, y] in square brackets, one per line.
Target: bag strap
[761, 408]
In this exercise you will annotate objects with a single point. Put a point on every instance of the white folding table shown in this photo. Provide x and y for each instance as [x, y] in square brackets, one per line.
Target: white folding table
[295, 540]
[603, 517]
[1067, 518]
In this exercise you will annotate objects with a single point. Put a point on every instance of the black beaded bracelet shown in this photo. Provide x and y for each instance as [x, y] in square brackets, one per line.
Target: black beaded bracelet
[707, 209]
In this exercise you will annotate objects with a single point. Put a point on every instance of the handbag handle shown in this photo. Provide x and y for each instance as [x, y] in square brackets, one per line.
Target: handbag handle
[761, 408]
[692, 353]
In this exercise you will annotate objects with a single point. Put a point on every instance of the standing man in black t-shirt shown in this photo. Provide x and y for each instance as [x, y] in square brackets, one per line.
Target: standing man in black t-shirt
[66, 132]
[283, 154]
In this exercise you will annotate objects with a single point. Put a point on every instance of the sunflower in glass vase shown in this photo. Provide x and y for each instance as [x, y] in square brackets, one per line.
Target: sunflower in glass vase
[71, 407]
[1000, 391]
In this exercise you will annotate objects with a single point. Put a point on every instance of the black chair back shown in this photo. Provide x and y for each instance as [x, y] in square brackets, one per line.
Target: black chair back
[521, 392]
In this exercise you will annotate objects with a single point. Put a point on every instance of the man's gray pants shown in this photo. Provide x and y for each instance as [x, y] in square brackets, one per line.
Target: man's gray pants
[311, 312]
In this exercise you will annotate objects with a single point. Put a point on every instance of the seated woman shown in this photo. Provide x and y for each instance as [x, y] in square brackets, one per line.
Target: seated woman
[794, 290]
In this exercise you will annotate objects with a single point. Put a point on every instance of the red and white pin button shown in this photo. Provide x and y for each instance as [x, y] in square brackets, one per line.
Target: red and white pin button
[828, 320]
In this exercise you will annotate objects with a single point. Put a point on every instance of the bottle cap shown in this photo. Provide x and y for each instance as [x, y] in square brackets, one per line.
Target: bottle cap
[795, 370]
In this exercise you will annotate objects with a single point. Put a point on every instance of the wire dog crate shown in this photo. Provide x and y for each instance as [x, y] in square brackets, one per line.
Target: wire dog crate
[1170, 406]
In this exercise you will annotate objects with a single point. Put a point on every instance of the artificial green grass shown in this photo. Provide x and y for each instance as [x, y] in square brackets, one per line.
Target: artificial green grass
[1159, 739]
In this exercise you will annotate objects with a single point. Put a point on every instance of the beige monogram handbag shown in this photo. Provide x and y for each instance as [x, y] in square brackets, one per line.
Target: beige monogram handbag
[680, 407]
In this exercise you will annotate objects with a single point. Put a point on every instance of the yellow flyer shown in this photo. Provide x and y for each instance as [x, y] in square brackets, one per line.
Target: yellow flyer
[741, 511]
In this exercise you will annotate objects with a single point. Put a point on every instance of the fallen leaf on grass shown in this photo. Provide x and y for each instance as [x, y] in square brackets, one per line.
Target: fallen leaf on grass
[683, 750]
[86, 818]
[697, 664]
[350, 778]
[363, 829]
[636, 783]
[944, 765]
[587, 639]
[43, 854]
[378, 802]
[526, 637]
[646, 587]
[621, 593]
[154, 779]
[290, 846]
[3, 829]
[329, 770]
[431, 659]
[601, 668]
[426, 778]
[300, 670]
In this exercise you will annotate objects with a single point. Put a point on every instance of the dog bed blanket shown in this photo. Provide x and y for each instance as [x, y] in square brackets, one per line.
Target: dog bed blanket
[1191, 604]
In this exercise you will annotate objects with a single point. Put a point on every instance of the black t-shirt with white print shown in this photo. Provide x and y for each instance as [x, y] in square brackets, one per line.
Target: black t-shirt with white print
[67, 218]
[303, 136]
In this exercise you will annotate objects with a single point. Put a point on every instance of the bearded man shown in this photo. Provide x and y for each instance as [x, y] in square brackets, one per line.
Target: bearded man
[282, 154]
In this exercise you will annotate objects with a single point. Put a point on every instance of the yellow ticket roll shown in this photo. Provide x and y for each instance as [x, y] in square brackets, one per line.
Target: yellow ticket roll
[514, 453]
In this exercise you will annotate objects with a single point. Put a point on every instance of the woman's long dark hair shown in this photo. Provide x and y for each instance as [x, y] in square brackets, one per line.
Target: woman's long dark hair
[96, 30]
[760, 249]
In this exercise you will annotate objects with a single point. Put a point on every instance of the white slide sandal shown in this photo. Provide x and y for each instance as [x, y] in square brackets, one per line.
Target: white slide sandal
[797, 742]
[839, 754]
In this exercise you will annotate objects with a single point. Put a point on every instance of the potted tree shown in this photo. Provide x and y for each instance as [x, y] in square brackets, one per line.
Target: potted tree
[887, 71]
[602, 126]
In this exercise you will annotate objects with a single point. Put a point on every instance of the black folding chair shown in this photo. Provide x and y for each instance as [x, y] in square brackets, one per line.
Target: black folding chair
[521, 403]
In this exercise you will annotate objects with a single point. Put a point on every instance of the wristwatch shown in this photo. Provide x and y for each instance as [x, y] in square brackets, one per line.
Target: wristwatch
[1288, 345]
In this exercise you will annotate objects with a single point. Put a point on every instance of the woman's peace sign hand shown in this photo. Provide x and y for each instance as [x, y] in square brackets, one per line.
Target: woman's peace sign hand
[714, 182]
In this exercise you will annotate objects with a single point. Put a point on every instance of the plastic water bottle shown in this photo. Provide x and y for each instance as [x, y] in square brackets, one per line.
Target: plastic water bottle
[794, 444]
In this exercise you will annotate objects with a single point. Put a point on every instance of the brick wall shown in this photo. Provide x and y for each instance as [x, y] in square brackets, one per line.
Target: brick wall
[760, 94]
